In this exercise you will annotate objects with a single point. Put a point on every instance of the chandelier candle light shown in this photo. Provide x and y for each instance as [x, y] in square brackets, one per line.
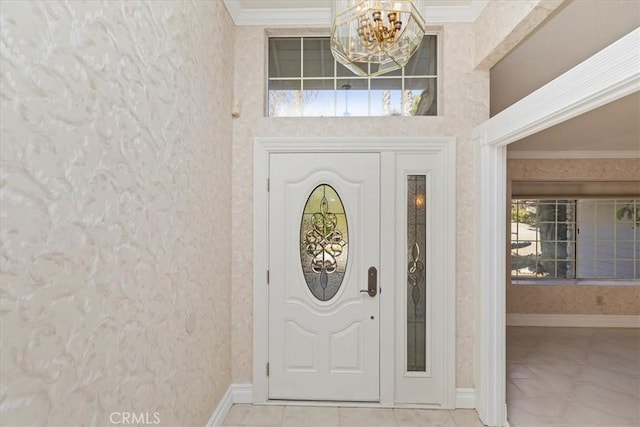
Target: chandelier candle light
[373, 37]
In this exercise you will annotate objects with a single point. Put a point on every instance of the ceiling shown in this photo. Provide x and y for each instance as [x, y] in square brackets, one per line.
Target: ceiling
[305, 4]
[576, 31]
[612, 127]
[282, 4]
[572, 34]
[279, 13]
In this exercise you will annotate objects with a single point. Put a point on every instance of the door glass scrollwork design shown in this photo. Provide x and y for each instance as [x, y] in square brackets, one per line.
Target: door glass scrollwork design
[416, 273]
[323, 242]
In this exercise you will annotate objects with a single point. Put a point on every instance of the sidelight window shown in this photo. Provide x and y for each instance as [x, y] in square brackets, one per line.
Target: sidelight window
[416, 275]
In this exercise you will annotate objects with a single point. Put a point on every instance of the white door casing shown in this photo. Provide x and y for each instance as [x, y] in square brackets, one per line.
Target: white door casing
[605, 77]
[399, 157]
[418, 387]
[323, 350]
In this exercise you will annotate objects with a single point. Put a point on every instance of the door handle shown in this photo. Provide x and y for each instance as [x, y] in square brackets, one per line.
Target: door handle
[372, 282]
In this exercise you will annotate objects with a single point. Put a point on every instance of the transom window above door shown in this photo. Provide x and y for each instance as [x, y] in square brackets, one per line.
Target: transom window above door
[305, 81]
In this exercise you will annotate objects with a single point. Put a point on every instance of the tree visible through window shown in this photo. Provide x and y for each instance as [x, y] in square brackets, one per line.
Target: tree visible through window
[575, 239]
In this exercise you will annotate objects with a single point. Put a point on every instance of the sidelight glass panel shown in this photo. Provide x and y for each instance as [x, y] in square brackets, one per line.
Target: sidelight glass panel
[416, 274]
[324, 237]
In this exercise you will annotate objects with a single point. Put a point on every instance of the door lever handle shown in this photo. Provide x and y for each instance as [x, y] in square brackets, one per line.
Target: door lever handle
[372, 282]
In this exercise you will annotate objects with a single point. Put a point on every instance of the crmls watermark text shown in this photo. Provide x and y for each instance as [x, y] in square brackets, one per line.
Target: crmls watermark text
[134, 418]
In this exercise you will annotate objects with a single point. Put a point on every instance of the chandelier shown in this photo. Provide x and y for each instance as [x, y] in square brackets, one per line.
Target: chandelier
[373, 37]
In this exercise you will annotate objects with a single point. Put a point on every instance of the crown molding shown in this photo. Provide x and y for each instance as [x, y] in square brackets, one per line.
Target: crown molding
[321, 17]
[594, 154]
[443, 14]
[278, 17]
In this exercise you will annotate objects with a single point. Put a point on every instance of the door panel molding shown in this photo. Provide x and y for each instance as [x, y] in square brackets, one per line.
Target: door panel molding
[388, 149]
[346, 321]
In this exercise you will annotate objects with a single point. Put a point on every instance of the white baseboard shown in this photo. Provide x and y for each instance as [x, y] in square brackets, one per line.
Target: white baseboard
[223, 408]
[236, 393]
[465, 398]
[574, 320]
[243, 393]
[506, 421]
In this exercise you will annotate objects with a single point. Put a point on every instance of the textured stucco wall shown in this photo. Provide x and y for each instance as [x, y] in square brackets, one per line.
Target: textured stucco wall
[573, 299]
[115, 188]
[465, 105]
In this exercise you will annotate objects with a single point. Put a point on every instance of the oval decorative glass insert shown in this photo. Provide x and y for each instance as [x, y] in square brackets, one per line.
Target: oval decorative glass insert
[324, 237]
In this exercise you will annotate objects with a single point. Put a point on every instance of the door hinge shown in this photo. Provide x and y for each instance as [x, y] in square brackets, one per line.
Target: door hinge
[268, 184]
[267, 277]
[267, 368]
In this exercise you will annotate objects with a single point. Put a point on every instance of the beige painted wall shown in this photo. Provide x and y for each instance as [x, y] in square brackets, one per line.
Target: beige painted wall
[465, 105]
[115, 194]
[550, 299]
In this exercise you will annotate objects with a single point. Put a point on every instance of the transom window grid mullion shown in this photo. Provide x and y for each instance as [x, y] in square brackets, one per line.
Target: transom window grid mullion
[538, 255]
[300, 110]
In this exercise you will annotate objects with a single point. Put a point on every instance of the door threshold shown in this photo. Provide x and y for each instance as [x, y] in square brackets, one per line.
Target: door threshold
[330, 403]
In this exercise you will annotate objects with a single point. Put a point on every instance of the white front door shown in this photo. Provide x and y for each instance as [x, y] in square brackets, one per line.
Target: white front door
[324, 244]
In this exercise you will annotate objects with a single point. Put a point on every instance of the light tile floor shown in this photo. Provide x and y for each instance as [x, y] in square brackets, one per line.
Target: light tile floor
[555, 377]
[573, 377]
[308, 416]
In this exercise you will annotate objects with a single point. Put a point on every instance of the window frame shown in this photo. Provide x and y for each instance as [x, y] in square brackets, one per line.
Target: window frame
[437, 32]
[577, 280]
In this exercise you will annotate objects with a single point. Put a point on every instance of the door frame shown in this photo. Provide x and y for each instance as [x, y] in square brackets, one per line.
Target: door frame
[387, 148]
[605, 77]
